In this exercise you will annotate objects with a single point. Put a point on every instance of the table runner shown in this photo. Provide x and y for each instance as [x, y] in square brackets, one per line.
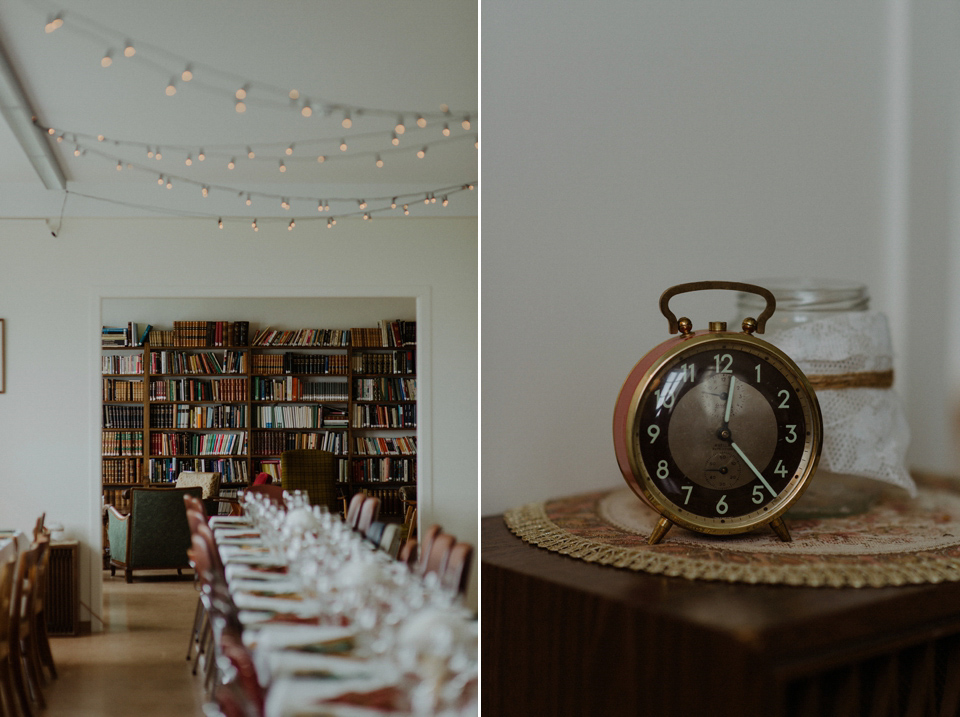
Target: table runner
[898, 541]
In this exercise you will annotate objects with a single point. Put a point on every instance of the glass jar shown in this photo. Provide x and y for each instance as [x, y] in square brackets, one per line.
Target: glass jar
[800, 301]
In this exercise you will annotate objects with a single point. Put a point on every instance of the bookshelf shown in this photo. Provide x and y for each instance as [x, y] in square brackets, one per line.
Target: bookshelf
[215, 396]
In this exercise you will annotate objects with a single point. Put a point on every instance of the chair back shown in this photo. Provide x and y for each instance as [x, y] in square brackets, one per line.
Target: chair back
[209, 483]
[390, 540]
[159, 532]
[270, 491]
[312, 471]
[426, 543]
[369, 512]
[455, 572]
[7, 573]
[353, 510]
[374, 534]
[408, 553]
[435, 559]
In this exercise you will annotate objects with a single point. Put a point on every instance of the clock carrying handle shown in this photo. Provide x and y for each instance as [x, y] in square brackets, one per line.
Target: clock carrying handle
[722, 285]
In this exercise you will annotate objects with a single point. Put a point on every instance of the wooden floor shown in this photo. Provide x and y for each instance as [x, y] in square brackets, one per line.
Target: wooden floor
[136, 666]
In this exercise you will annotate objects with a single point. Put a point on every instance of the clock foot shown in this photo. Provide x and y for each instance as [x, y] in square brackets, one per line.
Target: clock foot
[659, 531]
[780, 528]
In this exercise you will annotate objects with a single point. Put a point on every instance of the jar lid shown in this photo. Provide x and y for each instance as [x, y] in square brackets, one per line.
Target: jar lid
[800, 294]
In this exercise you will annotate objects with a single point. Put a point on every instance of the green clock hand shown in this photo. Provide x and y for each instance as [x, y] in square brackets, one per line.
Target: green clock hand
[753, 468]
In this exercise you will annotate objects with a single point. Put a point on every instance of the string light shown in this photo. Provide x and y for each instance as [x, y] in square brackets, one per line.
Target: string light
[240, 107]
[188, 161]
[343, 145]
[422, 153]
[254, 226]
[445, 201]
[241, 94]
[306, 110]
[362, 204]
[466, 123]
[172, 87]
[54, 24]
[291, 225]
[250, 153]
[129, 50]
[289, 150]
[284, 204]
[347, 123]
[379, 161]
[249, 200]
[220, 223]
[283, 167]
[446, 130]
[200, 155]
[394, 139]
[232, 163]
[169, 184]
[331, 222]
[400, 129]
[366, 216]
[406, 210]
[157, 155]
[119, 166]
[393, 203]
[107, 59]
[322, 158]
[204, 191]
[421, 121]
[187, 74]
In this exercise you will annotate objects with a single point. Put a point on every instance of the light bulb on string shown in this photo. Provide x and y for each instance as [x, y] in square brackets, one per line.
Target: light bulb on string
[306, 110]
[171, 89]
[366, 216]
[187, 73]
[446, 130]
[347, 123]
[343, 145]
[100, 138]
[107, 59]
[241, 94]
[426, 199]
[220, 223]
[283, 167]
[289, 150]
[400, 128]
[393, 203]
[291, 225]
[406, 210]
[249, 200]
[160, 180]
[51, 131]
[204, 191]
[188, 161]
[330, 222]
[394, 139]
[169, 183]
[362, 204]
[284, 204]
[201, 155]
[421, 121]
[232, 163]
[157, 155]
[149, 153]
[294, 95]
[55, 23]
[240, 107]
[119, 166]
[466, 123]
[59, 138]
[250, 153]
[254, 226]
[320, 205]
[379, 161]
[422, 152]
[321, 159]
[129, 50]
[445, 201]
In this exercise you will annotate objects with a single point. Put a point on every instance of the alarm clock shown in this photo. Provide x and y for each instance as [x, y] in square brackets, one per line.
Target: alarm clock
[718, 431]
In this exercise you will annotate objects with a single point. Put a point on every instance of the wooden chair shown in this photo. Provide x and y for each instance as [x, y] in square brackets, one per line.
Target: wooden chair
[7, 574]
[25, 658]
[426, 544]
[39, 613]
[408, 498]
[455, 572]
[353, 510]
[408, 553]
[434, 559]
[369, 512]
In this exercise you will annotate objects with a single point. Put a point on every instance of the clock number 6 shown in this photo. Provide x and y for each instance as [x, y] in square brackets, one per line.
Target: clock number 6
[722, 506]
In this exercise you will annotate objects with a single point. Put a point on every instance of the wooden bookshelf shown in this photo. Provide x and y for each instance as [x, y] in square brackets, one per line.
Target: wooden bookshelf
[202, 400]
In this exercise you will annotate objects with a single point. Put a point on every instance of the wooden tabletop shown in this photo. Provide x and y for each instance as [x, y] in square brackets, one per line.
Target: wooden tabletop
[579, 638]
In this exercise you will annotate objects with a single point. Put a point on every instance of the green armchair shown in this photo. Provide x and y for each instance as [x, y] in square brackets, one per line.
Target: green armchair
[154, 536]
[313, 471]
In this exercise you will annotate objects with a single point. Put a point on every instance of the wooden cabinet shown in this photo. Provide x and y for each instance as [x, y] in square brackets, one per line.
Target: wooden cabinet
[216, 405]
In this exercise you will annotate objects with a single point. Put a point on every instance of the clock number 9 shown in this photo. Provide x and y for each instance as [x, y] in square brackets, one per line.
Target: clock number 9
[653, 430]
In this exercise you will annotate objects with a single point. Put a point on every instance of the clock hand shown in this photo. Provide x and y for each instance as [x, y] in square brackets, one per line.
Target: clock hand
[753, 468]
[726, 414]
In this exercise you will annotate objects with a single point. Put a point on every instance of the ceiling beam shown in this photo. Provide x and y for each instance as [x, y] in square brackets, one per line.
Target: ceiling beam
[17, 111]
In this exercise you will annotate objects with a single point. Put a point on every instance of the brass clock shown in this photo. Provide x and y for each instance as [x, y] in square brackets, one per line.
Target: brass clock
[718, 431]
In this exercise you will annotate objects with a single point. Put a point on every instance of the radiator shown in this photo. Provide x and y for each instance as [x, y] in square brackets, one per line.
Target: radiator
[61, 603]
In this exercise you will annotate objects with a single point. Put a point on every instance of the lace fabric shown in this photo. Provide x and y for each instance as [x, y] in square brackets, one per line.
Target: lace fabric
[865, 429]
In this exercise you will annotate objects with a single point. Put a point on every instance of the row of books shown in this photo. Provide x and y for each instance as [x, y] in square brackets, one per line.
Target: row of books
[300, 416]
[297, 389]
[122, 416]
[116, 389]
[122, 443]
[302, 337]
[198, 444]
[381, 416]
[206, 362]
[122, 470]
[289, 362]
[269, 444]
[393, 362]
[118, 336]
[208, 333]
[121, 364]
[189, 416]
[384, 470]
[387, 334]
[198, 389]
[385, 389]
[166, 470]
[377, 446]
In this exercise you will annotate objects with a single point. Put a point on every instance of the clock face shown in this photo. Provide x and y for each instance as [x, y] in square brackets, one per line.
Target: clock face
[723, 433]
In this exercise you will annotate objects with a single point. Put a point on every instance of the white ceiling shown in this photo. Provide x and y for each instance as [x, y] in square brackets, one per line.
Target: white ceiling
[409, 57]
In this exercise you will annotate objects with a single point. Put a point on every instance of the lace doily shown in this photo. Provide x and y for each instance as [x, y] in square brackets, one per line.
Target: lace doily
[865, 429]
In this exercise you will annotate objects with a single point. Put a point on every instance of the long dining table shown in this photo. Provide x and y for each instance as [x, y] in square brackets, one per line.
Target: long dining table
[316, 654]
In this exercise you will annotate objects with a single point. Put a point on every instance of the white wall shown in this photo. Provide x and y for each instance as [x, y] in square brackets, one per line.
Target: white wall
[52, 294]
[630, 146]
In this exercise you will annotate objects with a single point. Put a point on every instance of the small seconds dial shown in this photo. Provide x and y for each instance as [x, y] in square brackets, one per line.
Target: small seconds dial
[723, 433]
